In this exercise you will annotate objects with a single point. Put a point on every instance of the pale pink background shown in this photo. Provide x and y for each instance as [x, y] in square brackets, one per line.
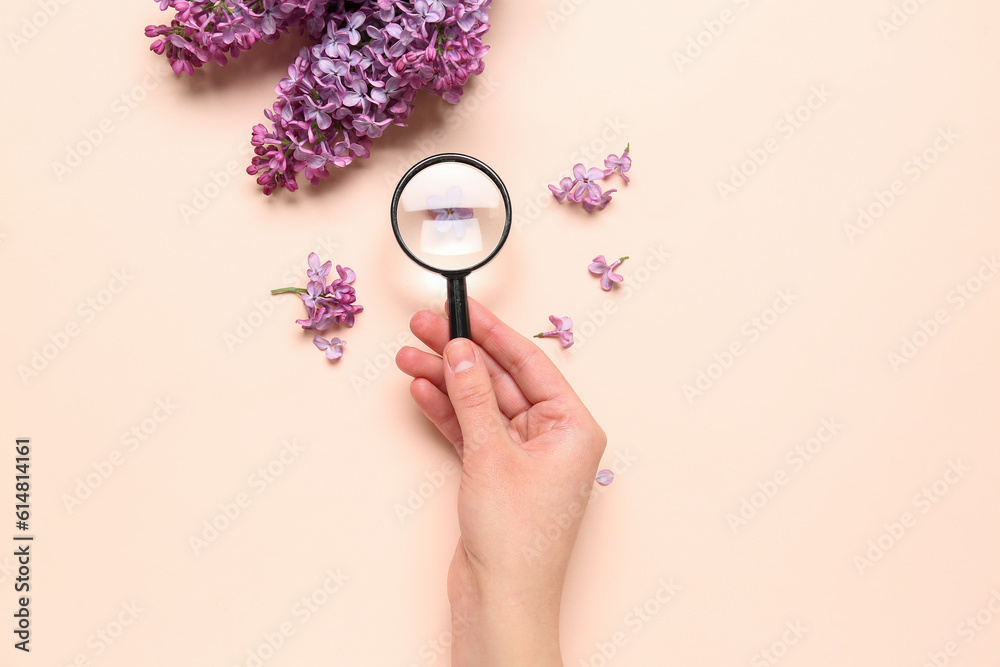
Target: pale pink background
[603, 76]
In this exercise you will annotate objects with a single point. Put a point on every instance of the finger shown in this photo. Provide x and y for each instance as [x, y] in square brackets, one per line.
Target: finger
[432, 330]
[419, 364]
[470, 390]
[436, 407]
[535, 374]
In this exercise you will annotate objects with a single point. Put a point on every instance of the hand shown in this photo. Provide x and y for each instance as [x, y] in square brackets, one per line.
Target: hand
[530, 451]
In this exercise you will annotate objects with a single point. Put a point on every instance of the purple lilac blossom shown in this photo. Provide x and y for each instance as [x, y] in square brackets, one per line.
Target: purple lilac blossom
[607, 273]
[317, 271]
[621, 164]
[333, 348]
[562, 330]
[586, 182]
[599, 204]
[362, 74]
[565, 187]
[447, 212]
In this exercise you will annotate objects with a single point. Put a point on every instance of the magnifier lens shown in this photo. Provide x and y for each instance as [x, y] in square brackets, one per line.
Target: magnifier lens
[451, 213]
[451, 216]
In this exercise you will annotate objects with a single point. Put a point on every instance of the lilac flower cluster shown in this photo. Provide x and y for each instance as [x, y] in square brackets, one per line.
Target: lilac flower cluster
[204, 31]
[326, 304]
[583, 188]
[363, 74]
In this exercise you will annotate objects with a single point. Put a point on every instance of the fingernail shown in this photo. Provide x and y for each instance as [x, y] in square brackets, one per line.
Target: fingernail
[461, 356]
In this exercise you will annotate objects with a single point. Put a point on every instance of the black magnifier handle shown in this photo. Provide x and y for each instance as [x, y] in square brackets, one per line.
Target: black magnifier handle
[458, 308]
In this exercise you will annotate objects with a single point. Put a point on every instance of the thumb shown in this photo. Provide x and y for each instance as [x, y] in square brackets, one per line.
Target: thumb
[471, 392]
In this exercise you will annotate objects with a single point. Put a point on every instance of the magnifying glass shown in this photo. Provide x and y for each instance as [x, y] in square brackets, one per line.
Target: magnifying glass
[451, 214]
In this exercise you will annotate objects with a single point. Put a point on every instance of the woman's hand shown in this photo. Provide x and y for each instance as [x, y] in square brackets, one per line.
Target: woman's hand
[530, 451]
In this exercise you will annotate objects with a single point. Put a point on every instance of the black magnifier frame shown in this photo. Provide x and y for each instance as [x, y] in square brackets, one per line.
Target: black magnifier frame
[458, 300]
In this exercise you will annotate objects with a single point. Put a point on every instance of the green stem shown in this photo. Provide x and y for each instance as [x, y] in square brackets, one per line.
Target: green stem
[288, 290]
